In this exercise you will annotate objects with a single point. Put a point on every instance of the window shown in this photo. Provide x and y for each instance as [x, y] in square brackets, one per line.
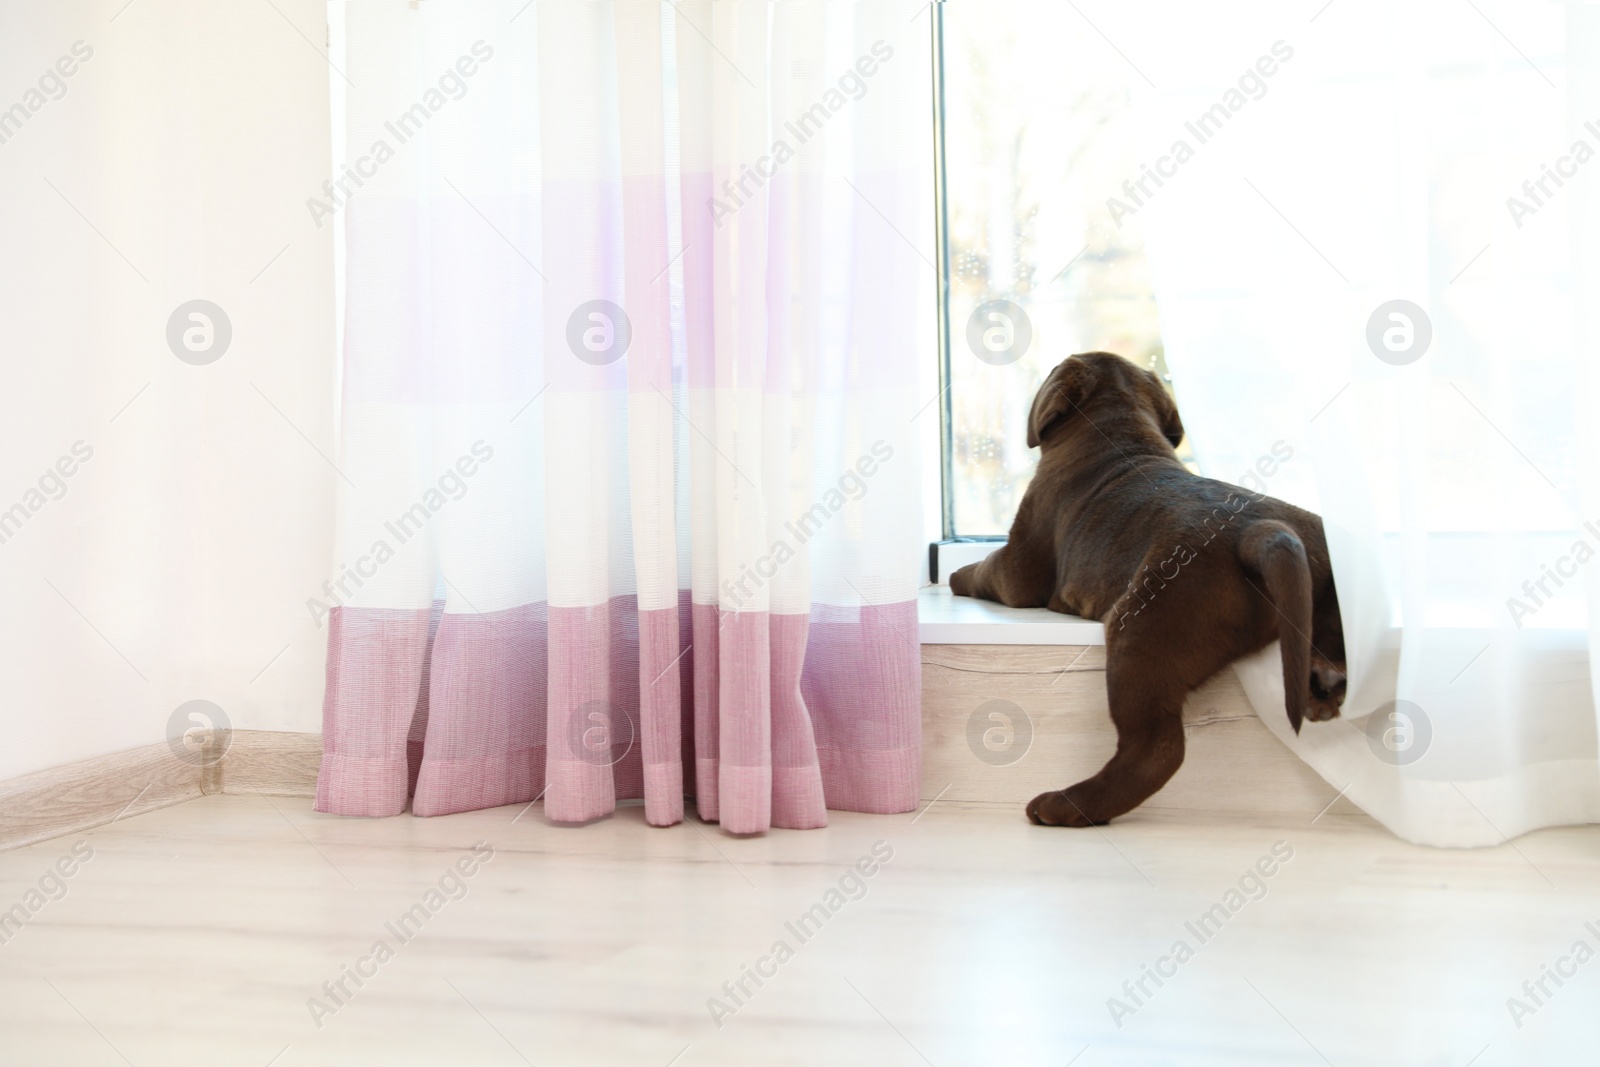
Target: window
[1035, 126]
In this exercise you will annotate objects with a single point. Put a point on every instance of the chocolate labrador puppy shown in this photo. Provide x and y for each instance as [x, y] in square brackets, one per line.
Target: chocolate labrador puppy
[1188, 574]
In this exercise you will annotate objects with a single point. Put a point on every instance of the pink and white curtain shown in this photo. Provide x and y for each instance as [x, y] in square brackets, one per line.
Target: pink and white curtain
[631, 325]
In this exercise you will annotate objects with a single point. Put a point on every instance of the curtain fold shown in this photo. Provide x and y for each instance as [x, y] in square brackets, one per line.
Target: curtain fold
[1377, 256]
[632, 337]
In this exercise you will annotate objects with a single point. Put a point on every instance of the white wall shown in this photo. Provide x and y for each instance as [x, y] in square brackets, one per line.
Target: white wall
[177, 563]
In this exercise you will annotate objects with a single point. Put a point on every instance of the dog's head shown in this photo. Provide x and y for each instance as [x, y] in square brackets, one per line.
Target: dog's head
[1102, 391]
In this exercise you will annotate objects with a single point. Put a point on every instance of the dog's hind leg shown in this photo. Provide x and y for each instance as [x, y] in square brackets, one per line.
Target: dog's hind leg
[1149, 751]
[1147, 710]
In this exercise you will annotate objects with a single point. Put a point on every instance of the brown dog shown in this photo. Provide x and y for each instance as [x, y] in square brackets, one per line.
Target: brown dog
[1188, 574]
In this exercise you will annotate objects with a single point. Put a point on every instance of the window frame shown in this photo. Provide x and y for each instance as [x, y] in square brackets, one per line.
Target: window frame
[948, 534]
[941, 240]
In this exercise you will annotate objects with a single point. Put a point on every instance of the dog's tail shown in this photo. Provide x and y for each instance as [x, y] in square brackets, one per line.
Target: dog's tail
[1274, 552]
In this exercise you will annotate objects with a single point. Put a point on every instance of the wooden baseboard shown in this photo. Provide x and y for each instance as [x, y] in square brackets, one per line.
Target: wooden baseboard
[270, 763]
[1063, 734]
[94, 792]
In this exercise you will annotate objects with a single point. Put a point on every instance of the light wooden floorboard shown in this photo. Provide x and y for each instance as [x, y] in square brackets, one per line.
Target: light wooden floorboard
[196, 934]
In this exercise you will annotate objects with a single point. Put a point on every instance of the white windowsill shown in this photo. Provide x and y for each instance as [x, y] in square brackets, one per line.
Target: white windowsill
[946, 619]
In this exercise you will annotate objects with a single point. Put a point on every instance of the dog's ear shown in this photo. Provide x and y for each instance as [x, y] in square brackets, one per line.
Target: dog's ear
[1171, 423]
[1059, 398]
[1166, 412]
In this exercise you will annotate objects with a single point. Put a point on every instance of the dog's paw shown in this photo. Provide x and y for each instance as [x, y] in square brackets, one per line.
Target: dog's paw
[1321, 711]
[1057, 808]
[1328, 685]
[961, 580]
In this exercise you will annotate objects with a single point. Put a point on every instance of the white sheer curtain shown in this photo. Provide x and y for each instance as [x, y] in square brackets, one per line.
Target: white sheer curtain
[1443, 155]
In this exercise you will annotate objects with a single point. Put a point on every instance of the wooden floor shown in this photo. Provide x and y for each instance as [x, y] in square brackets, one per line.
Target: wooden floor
[201, 934]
